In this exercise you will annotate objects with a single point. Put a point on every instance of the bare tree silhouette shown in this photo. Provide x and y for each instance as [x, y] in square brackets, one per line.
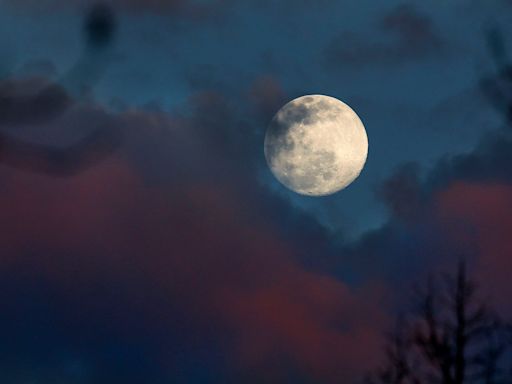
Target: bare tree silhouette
[452, 338]
[399, 365]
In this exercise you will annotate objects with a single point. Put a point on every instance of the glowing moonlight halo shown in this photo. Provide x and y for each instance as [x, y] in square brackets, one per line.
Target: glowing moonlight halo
[316, 145]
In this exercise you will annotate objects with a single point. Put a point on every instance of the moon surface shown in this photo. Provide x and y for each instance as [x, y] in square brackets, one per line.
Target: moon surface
[316, 145]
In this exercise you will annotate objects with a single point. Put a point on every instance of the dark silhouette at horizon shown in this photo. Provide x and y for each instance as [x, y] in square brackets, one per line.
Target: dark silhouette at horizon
[452, 337]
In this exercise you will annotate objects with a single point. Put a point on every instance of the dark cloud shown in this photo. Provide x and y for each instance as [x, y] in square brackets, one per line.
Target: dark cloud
[31, 101]
[401, 192]
[38, 105]
[413, 32]
[56, 160]
[188, 258]
[458, 208]
[164, 268]
[100, 25]
[486, 164]
[36, 101]
[33, 97]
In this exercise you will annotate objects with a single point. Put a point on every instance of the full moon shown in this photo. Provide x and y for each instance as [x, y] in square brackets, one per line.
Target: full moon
[316, 145]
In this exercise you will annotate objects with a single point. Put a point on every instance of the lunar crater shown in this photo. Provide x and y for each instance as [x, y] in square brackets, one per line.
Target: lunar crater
[316, 145]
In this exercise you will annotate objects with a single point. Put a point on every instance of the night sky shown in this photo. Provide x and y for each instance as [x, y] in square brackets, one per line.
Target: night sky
[145, 240]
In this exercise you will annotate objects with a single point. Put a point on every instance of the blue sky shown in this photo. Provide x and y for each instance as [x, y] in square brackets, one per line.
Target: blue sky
[159, 59]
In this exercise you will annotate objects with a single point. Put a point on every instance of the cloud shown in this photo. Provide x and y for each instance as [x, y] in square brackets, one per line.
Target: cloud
[33, 97]
[169, 256]
[458, 208]
[478, 216]
[167, 261]
[268, 96]
[38, 105]
[192, 254]
[184, 263]
[44, 101]
[401, 192]
[100, 25]
[414, 38]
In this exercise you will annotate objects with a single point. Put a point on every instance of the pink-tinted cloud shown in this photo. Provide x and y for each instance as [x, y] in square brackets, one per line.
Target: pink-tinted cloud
[310, 319]
[478, 217]
[197, 247]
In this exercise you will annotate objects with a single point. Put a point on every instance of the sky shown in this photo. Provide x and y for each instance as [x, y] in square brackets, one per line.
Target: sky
[145, 240]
